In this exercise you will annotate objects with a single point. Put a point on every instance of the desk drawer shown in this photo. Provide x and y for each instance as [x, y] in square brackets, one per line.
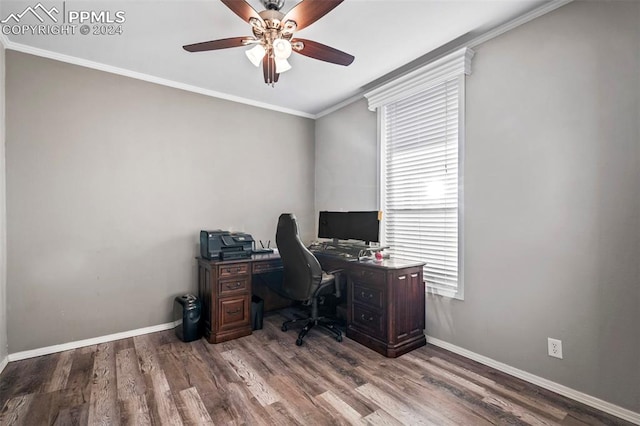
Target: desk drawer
[240, 285]
[370, 276]
[270, 266]
[233, 312]
[233, 270]
[369, 321]
[372, 296]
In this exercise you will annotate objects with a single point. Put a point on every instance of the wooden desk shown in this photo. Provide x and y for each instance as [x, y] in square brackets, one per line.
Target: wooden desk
[225, 288]
[385, 300]
[385, 303]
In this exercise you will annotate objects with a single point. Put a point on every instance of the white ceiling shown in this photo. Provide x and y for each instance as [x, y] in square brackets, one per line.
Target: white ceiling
[383, 35]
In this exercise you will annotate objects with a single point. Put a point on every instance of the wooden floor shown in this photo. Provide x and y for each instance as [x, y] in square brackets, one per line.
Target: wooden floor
[264, 379]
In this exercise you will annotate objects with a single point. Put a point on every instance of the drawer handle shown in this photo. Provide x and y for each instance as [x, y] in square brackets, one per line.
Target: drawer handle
[237, 311]
[366, 295]
[232, 270]
[364, 318]
[232, 286]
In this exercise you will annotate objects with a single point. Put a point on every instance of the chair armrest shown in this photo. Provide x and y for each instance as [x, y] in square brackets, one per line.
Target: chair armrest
[336, 280]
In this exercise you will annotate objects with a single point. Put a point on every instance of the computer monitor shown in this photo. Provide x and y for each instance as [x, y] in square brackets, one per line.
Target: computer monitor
[363, 226]
[333, 225]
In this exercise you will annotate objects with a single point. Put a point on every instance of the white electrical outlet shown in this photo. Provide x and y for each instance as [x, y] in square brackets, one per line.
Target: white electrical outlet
[554, 347]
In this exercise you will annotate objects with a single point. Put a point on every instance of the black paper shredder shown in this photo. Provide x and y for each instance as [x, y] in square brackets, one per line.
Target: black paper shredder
[186, 316]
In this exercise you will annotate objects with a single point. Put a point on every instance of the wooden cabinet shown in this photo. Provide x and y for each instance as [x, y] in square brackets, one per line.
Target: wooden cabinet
[225, 292]
[385, 305]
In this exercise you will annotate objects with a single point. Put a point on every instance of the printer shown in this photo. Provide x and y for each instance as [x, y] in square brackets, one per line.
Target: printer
[225, 245]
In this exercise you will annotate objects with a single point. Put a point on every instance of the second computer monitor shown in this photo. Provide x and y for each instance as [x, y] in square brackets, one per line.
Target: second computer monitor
[361, 225]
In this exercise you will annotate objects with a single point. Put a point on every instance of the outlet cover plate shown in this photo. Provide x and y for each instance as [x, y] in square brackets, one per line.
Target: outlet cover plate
[554, 347]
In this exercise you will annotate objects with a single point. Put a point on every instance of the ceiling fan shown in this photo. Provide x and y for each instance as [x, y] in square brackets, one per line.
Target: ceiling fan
[272, 38]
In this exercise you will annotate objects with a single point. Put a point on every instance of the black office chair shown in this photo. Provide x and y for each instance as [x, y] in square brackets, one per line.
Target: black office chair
[303, 278]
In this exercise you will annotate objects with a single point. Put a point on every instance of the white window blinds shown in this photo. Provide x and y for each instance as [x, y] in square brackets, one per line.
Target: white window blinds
[421, 117]
[420, 160]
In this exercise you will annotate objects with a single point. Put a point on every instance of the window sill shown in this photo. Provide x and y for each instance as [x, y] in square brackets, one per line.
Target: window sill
[452, 294]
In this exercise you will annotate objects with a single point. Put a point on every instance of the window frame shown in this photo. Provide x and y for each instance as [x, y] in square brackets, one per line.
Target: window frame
[453, 66]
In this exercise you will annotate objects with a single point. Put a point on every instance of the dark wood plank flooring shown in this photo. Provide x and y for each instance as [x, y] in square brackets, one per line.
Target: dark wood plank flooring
[265, 379]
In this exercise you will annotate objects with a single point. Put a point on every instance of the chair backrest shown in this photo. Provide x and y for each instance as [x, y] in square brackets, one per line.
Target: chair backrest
[302, 271]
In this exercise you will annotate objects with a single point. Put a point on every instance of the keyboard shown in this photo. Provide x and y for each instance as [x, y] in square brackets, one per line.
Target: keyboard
[341, 251]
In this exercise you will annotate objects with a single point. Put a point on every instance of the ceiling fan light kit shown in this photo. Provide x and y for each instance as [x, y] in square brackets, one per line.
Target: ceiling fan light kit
[281, 48]
[273, 35]
[255, 54]
[282, 65]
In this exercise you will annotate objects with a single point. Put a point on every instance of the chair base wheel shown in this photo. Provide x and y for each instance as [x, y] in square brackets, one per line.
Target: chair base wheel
[310, 323]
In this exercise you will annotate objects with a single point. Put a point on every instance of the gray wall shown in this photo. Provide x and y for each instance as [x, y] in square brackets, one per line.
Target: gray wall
[109, 181]
[551, 200]
[552, 203]
[345, 148]
[3, 223]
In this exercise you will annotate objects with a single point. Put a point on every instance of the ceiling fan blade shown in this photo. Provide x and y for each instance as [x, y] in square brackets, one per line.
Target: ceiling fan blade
[316, 50]
[224, 43]
[307, 12]
[242, 9]
[269, 70]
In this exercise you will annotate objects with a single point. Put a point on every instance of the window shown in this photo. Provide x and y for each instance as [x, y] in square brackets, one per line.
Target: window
[420, 187]
[421, 139]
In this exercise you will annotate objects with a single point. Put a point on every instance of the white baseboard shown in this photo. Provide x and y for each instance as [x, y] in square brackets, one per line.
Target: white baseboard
[589, 400]
[4, 363]
[88, 342]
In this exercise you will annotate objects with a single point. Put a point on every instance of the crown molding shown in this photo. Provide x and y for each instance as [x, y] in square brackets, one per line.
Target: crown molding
[145, 77]
[495, 32]
[425, 77]
[514, 23]
[482, 38]
[339, 105]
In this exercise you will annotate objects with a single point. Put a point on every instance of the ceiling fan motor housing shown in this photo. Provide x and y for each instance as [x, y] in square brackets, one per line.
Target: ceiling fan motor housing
[273, 27]
[273, 4]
